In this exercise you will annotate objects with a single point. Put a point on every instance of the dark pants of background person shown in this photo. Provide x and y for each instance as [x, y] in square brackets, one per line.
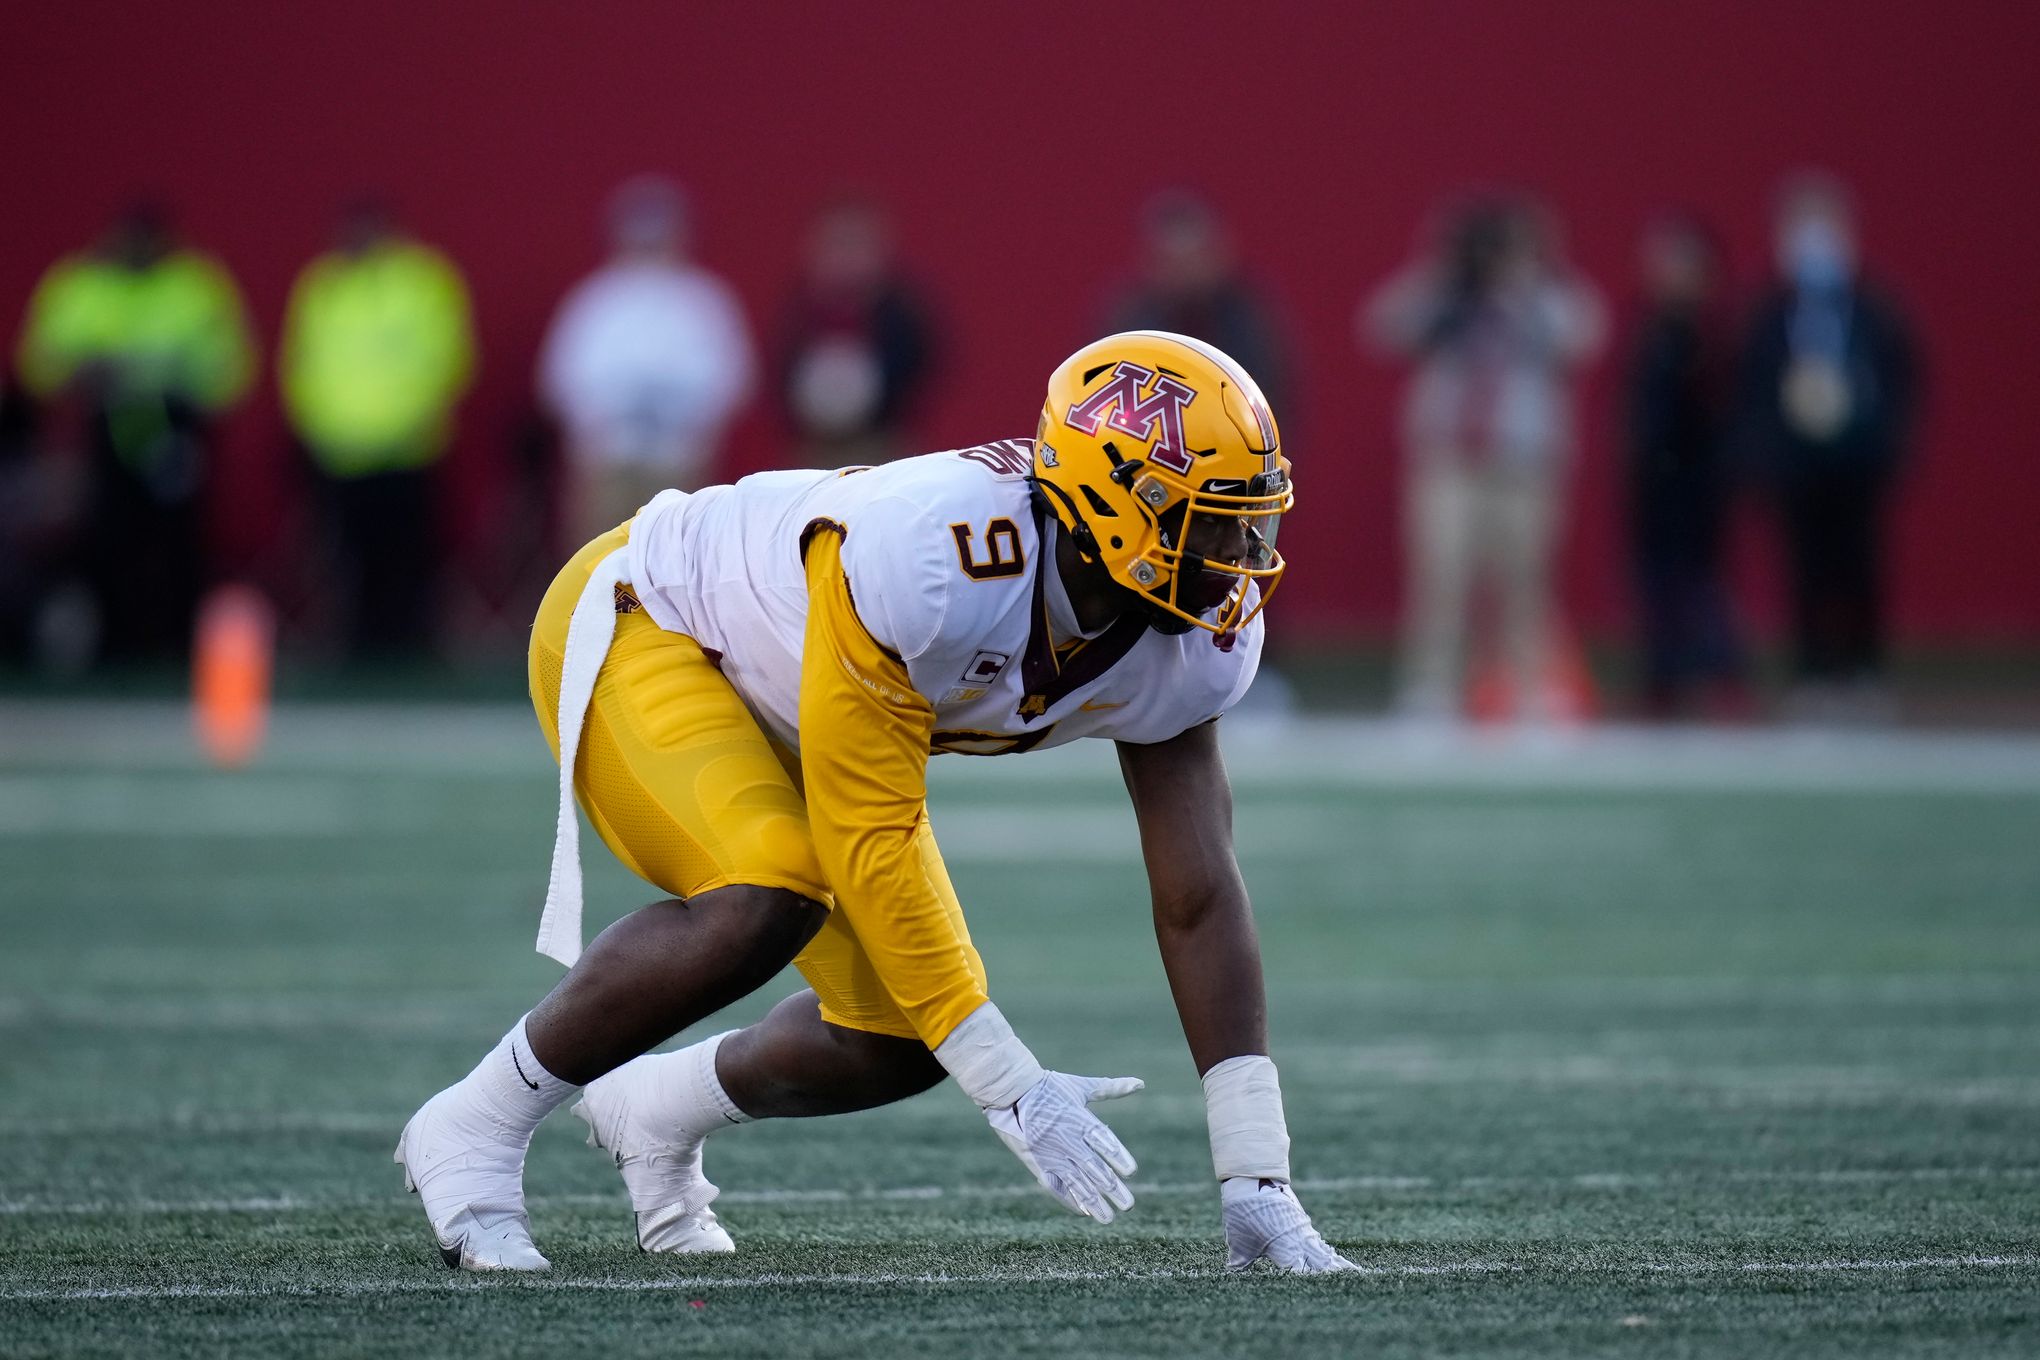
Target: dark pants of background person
[144, 543]
[384, 530]
[35, 545]
[1678, 518]
[1834, 530]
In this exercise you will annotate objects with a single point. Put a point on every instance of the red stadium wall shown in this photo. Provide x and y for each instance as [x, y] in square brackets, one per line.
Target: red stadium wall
[1015, 144]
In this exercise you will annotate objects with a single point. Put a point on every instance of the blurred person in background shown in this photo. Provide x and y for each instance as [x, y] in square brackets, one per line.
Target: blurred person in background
[47, 618]
[377, 350]
[855, 344]
[1825, 409]
[1676, 394]
[645, 364]
[1191, 284]
[142, 344]
[1495, 327]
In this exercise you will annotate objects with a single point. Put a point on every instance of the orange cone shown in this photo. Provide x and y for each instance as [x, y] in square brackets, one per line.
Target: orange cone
[230, 672]
[1569, 692]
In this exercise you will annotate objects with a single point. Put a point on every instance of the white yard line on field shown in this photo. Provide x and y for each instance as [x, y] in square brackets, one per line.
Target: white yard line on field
[502, 739]
[764, 1280]
[261, 807]
[1604, 1181]
[779, 1279]
[113, 1008]
[1909, 1263]
[316, 788]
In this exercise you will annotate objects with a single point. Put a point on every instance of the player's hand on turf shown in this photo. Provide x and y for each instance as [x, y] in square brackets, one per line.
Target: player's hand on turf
[1263, 1220]
[1070, 1151]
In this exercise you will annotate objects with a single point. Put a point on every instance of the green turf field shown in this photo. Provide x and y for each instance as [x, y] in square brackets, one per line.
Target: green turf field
[1633, 1048]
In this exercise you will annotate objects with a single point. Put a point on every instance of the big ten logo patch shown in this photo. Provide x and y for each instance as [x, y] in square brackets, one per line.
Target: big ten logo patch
[1001, 558]
[1007, 457]
[1155, 419]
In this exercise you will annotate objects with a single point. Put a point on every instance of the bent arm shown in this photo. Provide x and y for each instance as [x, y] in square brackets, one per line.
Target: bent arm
[1203, 921]
[1206, 931]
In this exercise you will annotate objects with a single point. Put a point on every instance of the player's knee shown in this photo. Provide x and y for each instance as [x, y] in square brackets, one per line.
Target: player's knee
[765, 927]
[895, 1068]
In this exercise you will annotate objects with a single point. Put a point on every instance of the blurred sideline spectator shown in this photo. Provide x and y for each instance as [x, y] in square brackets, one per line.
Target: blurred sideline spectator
[377, 350]
[1825, 408]
[47, 617]
[1495, 326]
[1680, 486]
[646, 363]
[1191, 284]
[855, 343]
[145, 343]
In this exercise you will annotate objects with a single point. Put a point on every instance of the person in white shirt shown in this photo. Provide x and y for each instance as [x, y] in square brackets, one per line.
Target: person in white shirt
[1495, 330]
[646, 363]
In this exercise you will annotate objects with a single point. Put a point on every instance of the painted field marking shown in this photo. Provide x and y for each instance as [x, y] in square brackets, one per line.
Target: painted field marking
[1589, 1181]
[779, 1279]
[89, 1008]
[502, 740]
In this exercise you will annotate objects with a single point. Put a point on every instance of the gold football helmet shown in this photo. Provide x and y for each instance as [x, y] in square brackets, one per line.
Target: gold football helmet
[1160, 457]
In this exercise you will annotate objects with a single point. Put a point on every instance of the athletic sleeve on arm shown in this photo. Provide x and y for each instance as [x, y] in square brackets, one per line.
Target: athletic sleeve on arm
[864, 756]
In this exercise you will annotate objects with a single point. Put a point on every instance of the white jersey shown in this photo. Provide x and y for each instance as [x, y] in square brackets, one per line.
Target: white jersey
[944, 556]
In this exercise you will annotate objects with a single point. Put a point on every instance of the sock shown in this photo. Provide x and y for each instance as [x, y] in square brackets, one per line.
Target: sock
[512, 1089]
[682, 1090]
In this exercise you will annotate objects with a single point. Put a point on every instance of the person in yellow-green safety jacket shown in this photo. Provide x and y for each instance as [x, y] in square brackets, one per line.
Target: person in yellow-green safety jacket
[147, 342]
[377, 350]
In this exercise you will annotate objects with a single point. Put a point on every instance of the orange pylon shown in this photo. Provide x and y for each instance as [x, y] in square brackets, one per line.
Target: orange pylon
[232, 657]
[1569, 696]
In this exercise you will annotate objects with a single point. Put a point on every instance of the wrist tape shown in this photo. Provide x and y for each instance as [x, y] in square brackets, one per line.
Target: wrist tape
[1243, 1106]
[988, 1060]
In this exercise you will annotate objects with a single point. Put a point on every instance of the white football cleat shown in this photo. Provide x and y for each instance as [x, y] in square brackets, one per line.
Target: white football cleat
[470, 1177]
[661, 1170]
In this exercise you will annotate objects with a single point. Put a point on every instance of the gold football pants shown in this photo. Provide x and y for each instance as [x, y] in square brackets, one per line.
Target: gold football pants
[687, 790]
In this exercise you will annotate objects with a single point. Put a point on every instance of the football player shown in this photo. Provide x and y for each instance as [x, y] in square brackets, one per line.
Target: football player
[743, 686]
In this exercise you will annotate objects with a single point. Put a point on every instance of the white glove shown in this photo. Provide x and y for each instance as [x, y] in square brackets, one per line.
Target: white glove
[1070, 1151]
[1044, 1117]
[1250, 1153]
[1264, 1220]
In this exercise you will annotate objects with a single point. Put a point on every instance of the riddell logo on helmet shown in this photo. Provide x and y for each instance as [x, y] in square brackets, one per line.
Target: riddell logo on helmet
[1157, 416]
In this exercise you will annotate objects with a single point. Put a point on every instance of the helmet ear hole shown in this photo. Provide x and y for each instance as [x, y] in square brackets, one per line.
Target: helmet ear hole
[1099, 505]
[1118, 542]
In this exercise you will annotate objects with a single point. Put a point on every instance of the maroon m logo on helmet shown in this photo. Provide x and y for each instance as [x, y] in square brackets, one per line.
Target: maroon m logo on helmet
[1157, 416]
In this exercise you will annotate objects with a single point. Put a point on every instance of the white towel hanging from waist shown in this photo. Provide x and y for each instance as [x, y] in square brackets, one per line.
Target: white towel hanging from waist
[589, 633]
